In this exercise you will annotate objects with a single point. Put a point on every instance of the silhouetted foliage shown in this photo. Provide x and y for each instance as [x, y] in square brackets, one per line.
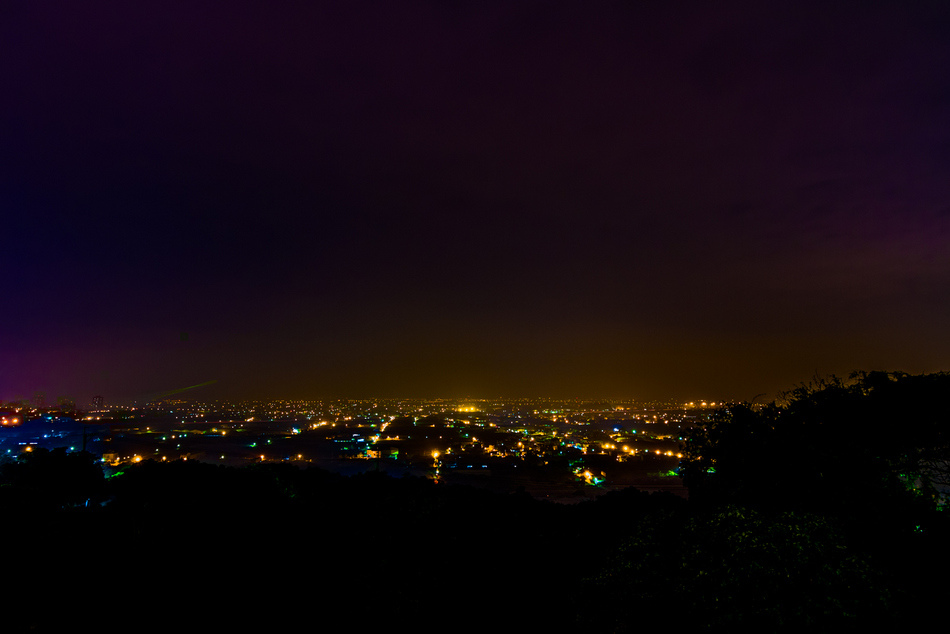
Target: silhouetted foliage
[52, 478]
[875, 446]
[869, 454]
[734, 568]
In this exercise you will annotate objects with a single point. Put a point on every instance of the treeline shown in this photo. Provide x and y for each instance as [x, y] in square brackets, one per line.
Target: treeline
[819, 512]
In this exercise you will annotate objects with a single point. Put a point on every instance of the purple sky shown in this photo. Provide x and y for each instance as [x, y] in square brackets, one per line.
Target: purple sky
[357, 199]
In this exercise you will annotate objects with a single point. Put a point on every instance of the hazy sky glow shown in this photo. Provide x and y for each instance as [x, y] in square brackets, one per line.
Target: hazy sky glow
[647, 200]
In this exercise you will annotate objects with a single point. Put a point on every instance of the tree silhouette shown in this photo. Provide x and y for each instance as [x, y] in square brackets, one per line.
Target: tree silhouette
[54, 478]
[735, 568]
[876, 446]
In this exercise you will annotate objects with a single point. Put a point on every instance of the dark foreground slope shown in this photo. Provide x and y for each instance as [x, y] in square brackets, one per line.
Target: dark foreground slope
[193, 547]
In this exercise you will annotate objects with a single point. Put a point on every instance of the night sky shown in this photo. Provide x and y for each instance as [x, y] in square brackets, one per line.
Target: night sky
[650, 200]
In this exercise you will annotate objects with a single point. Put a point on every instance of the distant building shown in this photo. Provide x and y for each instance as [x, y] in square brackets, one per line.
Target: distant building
[66, 404]
[39, 400]
[97, 403]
